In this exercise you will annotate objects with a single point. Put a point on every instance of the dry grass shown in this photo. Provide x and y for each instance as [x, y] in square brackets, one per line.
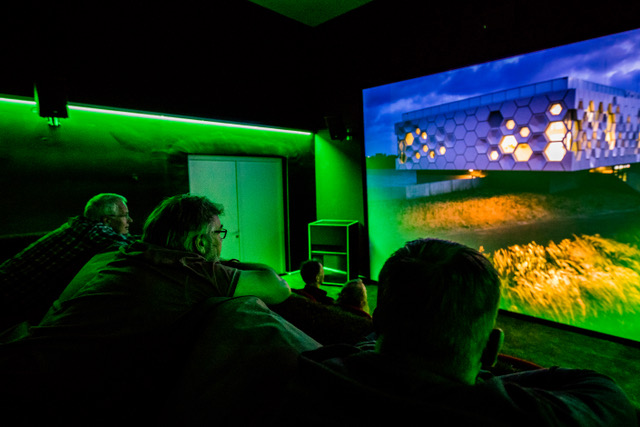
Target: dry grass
[475, 210]
[578, 278]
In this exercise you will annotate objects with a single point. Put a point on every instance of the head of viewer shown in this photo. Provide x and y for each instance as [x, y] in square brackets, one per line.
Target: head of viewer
[354, 293]
[312, 272]
[437, 307]
[110, 209]
[188, 223]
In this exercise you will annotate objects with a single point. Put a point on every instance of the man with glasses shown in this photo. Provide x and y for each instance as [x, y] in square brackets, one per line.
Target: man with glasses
[132, 321]
[175, 265]
[32, 279]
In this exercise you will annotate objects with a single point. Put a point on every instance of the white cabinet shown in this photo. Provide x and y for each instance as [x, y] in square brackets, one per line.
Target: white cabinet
[251, 191]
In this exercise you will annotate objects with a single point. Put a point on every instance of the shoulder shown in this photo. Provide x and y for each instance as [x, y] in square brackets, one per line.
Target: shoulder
[578, 396]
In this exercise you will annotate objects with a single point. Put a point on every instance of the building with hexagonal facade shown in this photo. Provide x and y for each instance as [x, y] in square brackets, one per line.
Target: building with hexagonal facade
[564, 124]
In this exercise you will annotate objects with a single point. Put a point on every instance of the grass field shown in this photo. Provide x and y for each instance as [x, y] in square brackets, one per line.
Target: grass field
[571, 281]
[580, 280]
[482, 209]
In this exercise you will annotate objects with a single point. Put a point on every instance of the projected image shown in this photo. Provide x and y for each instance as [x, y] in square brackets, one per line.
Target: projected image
[535, 161]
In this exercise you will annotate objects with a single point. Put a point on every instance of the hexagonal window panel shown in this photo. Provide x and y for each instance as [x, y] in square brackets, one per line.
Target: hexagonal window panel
[523, 115]
[460, 147]
[460, 162]
[538, 123]
[449, 125]
[539, 104]
[508, 144]
[538, 142]
[524, 132]
[449, 140]
[507, 162]
[459, 117]
[508, 108]
[470, 154]
[522, 153]
[553, 167]
[482, 113]
[556, 131]
[494, 155]
[555, 152]
[408, 138]
[470, 122]
[409, 151]
[481, 146]
[470, 138]
[481, 162]
[537, 162]
[510, 124]
[556, 109]
[482, 129]
[460, 132]
[450, 155]
[494, 136]
[495, 119]
[521, 166]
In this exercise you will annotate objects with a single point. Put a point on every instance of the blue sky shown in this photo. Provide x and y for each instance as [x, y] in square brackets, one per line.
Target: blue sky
[612, 60]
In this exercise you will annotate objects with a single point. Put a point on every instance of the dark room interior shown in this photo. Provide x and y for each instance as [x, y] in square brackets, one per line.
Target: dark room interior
[256, 79]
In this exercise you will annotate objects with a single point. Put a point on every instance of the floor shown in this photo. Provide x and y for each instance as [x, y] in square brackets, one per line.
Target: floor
[548, 344]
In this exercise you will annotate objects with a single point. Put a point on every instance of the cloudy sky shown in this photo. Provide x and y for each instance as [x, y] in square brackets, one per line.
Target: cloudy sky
[612, 61]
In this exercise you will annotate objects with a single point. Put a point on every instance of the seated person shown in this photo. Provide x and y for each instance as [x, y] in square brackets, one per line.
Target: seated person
[117, 333]
[312, 273]
[174, 266]
[32, 279]
[435, 320]
[353, 298]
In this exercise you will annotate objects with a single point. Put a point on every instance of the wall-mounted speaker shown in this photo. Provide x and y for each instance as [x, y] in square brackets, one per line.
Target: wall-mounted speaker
[337, 129]
[51, 98]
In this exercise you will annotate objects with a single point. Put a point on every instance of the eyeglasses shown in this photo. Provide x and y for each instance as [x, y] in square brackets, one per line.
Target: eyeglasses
[222, 232]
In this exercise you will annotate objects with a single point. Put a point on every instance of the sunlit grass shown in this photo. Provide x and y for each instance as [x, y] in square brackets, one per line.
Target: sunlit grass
[579, 278]
[477, 210]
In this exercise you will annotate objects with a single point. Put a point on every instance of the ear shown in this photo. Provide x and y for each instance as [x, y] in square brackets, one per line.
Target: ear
[490, 352]
[199, 244]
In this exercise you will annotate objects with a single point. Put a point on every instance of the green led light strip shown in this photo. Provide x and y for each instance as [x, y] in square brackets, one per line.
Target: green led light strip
[163, 117]
[17, 101]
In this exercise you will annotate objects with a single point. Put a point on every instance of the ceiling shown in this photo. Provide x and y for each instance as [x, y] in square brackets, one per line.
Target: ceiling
[311, 12]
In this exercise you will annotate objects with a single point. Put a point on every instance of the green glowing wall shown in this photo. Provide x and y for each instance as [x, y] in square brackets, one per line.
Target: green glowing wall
[339, 186]
[48, 173]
